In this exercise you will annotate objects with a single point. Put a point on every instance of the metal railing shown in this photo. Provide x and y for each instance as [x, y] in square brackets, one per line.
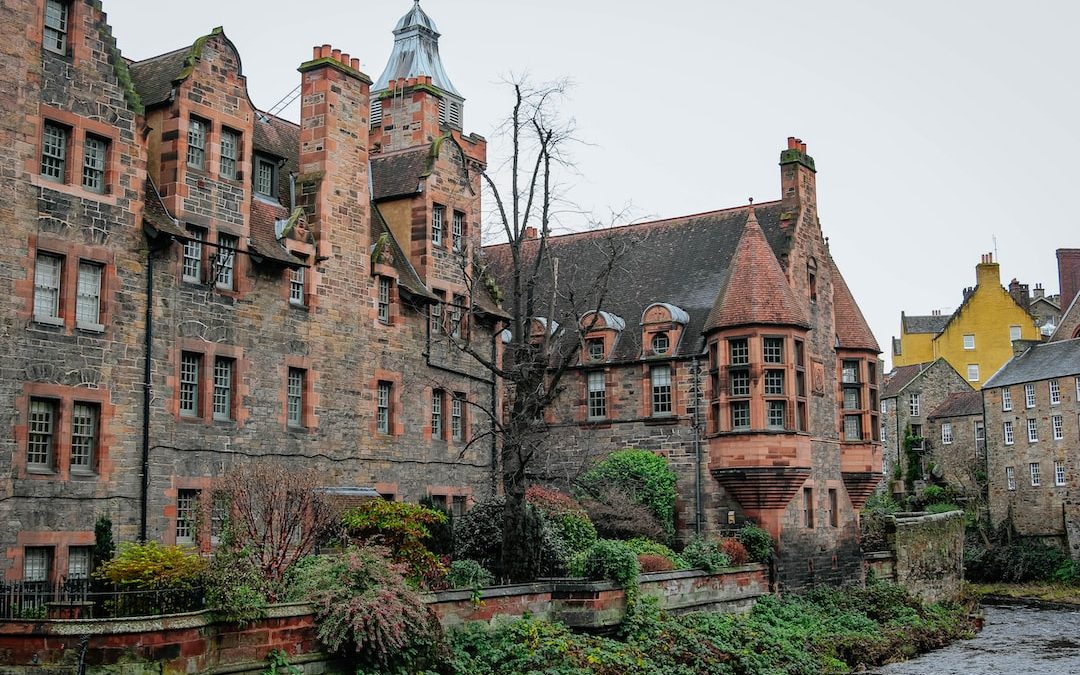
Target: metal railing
[88, 598]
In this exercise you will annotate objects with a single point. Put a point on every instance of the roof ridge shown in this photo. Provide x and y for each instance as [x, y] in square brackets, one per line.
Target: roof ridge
[277, 118]
[171, 52]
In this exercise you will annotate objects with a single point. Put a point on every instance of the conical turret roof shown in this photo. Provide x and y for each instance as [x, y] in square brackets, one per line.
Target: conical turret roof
[852, 331]
[416, 53]
[756, 290]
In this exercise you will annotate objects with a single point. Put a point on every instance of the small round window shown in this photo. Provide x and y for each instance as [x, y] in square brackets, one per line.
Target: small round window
[660, 344]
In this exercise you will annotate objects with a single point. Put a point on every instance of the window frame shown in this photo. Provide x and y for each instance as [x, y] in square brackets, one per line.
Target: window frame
[49, 288]
[1010, 479]
[186, 532]
[772, 350]
[457, 416]
[597, 342]
[660, 344]
[229, 157]
[1006, 400]
[1057, 425]
[1055, 392]
[80, 562]
[94, 165]
[973, 372]
[969, 345]
[298, 286]
[915, 404]
[595, 396]
[189, 382]
[1029, 395]
[740, 410]
[1059, 473]
[45, 445]
[438, 224]
[55, 153]
[383, 407]
[457, 231]
[295, 394]
[269, 177]
[48, 559]
[90, 433]
[61, 28]
[438, 400]
[228, 245]
[662, 403]
[1036, 474]
[808, 508]
[1009, 434]
[81, 294]
[224, 391]
[1033, 430]
[383, 299]
[946, 433]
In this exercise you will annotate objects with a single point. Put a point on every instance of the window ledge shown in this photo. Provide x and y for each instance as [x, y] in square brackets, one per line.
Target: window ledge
[49, 321]
[91, 327]
[73, 190]
[662, 420]
[83, 474]
[40, 471]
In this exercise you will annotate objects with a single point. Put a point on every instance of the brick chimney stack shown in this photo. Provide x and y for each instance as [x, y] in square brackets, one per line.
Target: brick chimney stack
[333, 182]
[988, 272]
[1020, 293]
[798, 182]
[1068, 275]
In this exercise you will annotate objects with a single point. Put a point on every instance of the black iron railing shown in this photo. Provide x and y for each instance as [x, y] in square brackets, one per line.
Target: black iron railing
[88, 598]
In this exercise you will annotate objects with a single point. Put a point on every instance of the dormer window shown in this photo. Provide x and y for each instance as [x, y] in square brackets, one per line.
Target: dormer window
[660, 344]
[265, 176]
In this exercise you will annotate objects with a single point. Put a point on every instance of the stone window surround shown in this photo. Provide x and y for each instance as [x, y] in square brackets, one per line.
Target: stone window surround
[72, 253]
[209, 351]
[78, 128]
[449, 492]
[64, 397]
[204, 486]
[59, 541]
[309, 420]
[305, 254]
[868, 395]
[609, 391]
[397, 426]
[240, 261]
[442, 412]
[72, 17]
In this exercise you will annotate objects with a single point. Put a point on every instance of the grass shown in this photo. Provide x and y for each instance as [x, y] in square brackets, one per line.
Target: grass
[1044, 591]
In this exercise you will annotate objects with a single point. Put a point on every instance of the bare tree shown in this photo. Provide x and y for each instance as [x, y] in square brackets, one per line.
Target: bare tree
[551, 307]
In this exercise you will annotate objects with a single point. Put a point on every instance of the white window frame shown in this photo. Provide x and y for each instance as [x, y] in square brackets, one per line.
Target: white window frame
[438, 217]
[84, 432]
[596, 398]
[660, 381]
[437, 399]
[1029, 395]
[56, 26]
[1036, 474]
[1010, 479]
[969, 342]
[190, 375]
[979, 433]
[457, 429]
[297, 286]
[661, 343]
[48, 286]
[458, 231]
[193, 255]
[1059, 473]
[1009, 434]
[79, 558]
[973, 372]
[1015, 333]
[382, 408]
[294, 398]
[42, 426]
[1006, 399]
[915, 401]
[54, 146]
[37, 564]
[187, 511]
[946, 433]
[88, 295]
[1033, 430]
[384, 300]
[1055, 392]
[228, 245]
[230, 147]
[1057, 423]
[198, 130]
[224, 375]
[95, 162]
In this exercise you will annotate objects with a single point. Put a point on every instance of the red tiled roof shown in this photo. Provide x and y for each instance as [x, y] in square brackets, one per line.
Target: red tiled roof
[263, 237]
[756, 290]
[852, 331]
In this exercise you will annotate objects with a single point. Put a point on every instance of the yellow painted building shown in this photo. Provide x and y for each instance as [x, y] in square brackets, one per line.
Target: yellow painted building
[977, 338]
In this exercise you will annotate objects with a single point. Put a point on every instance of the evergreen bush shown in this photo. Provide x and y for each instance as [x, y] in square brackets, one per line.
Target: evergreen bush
[758, 543]
[642, 476]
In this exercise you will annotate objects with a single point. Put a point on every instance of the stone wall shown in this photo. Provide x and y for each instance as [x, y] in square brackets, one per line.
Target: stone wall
[925, 556]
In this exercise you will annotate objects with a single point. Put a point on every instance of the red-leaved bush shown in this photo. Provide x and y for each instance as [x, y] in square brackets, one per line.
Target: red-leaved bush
[735, 550]
[552, 502]
[650, 562]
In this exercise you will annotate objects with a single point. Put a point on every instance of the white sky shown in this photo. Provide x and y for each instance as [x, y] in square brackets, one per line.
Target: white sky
[935, 125]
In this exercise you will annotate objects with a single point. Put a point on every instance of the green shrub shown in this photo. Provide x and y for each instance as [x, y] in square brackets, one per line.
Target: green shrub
[1068, 572]
[441, 541]
[643, 476]
[1009, 558]
[943, 507]
[569, 518]
[706, 555]
[614, 560]
[643, 546]
[401, 527]
[478, 536]
[758, 543]
[104, 548]
[236, 589]
[468, 574]
[152, 566]
[365, 610]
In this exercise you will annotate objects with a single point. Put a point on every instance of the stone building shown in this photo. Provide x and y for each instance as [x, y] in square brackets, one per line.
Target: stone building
[729, 343]
[977, 338]
[957, 442]
[1069, 278]
[1033, 442]
[192, 282]
[910, 394]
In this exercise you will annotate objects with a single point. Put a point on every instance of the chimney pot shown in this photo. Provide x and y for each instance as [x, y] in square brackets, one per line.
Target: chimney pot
[530, 233]
[792, 144]
[355, 64]
[336, 54]
[345, 58]
[316, 52]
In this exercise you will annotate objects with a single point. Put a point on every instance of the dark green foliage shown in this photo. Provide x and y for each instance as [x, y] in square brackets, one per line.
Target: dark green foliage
[468, 574]
[404, 529]
[642, 546]
[827, 631]
[643, 476]
[758, 543]
[441, 541]
[943, 507]
[913, 455]
[565, 514]
[235, 588]
[104, 548]
[478, 535]
[703, 554]
[1009, 558]
[613, 560]
[874, 520]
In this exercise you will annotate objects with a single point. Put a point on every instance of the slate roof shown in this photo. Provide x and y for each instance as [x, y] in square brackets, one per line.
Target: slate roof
[852, 331]
[1040, 362]
[153, 77]
[756, 291]
[683, 261]
[901, 377]
[926, 324]
[398, 174]
[959, 404]
[155, 213]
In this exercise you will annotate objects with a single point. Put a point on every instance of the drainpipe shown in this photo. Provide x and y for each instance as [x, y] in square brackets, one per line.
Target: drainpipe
[698, 516]
[494, 411]
[148, 339]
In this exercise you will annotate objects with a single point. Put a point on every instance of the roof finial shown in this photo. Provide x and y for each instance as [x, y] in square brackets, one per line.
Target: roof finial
[751, 201]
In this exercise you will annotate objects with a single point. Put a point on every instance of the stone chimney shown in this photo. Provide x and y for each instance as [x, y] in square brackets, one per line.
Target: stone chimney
[798, 181]
[1068, 275]
[1020, 293]
[1038, 293]
[988, 272]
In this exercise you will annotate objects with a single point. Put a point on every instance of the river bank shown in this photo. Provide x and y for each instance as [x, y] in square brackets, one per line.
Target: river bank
[1058, 594]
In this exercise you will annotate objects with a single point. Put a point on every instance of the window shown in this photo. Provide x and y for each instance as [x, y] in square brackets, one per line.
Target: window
[882, 436]
[660, 376]
[777, 414]
[1036, 478]
[595, 349]
[56, 25]
[849, 372]
[382, 408]
[230, 146]
[1006, 399]
[969, 342]
[811, 279]
[1078, 390]
[435, 313]
[265, 176]
[851, 398]
[739, 352]
[384, 300]
[458, 505]
[660, 343]
[223, 384]
[914, 404]
[774, 382]
[884, 407]
[84, 425]
[1033, 430]
[193, 253]
[41, 433]
[458, 303]
[294, 398]
[1059, 473]
[88, 296]
[437, 213]
[79, 562]
[190, 366]
[1014, 333]
[973, 372]
[1057, 423]
[37, 564]
[773, 350]
[1008, 429]
[946, 433]
[186, 508]
[47, 274]
[853, 428]
[219, 516]
[226, 259]
[457, 428]
[808, 506]
[739, 383]
[297, 285]
[597, 397]
[1010, 478]
[740, 415]
[196, 139]
[1055, 392]
[980, 439]
[459, 231]
[95, 152]
[54, 151]
[834, 509]
[436, 413]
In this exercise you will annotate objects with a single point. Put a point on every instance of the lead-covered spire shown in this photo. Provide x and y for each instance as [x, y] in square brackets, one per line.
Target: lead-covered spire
[416, 53]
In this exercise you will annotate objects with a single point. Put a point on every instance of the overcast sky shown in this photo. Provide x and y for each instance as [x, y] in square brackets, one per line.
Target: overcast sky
[936, 126]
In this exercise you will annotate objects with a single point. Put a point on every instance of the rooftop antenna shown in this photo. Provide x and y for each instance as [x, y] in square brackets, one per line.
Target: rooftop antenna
[996, 256]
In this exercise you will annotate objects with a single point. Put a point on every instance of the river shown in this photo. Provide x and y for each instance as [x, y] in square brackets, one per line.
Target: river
[1017, 639]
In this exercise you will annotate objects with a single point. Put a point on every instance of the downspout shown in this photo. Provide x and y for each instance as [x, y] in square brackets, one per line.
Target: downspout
[696, 371]
[148, 339]
[496, 336]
